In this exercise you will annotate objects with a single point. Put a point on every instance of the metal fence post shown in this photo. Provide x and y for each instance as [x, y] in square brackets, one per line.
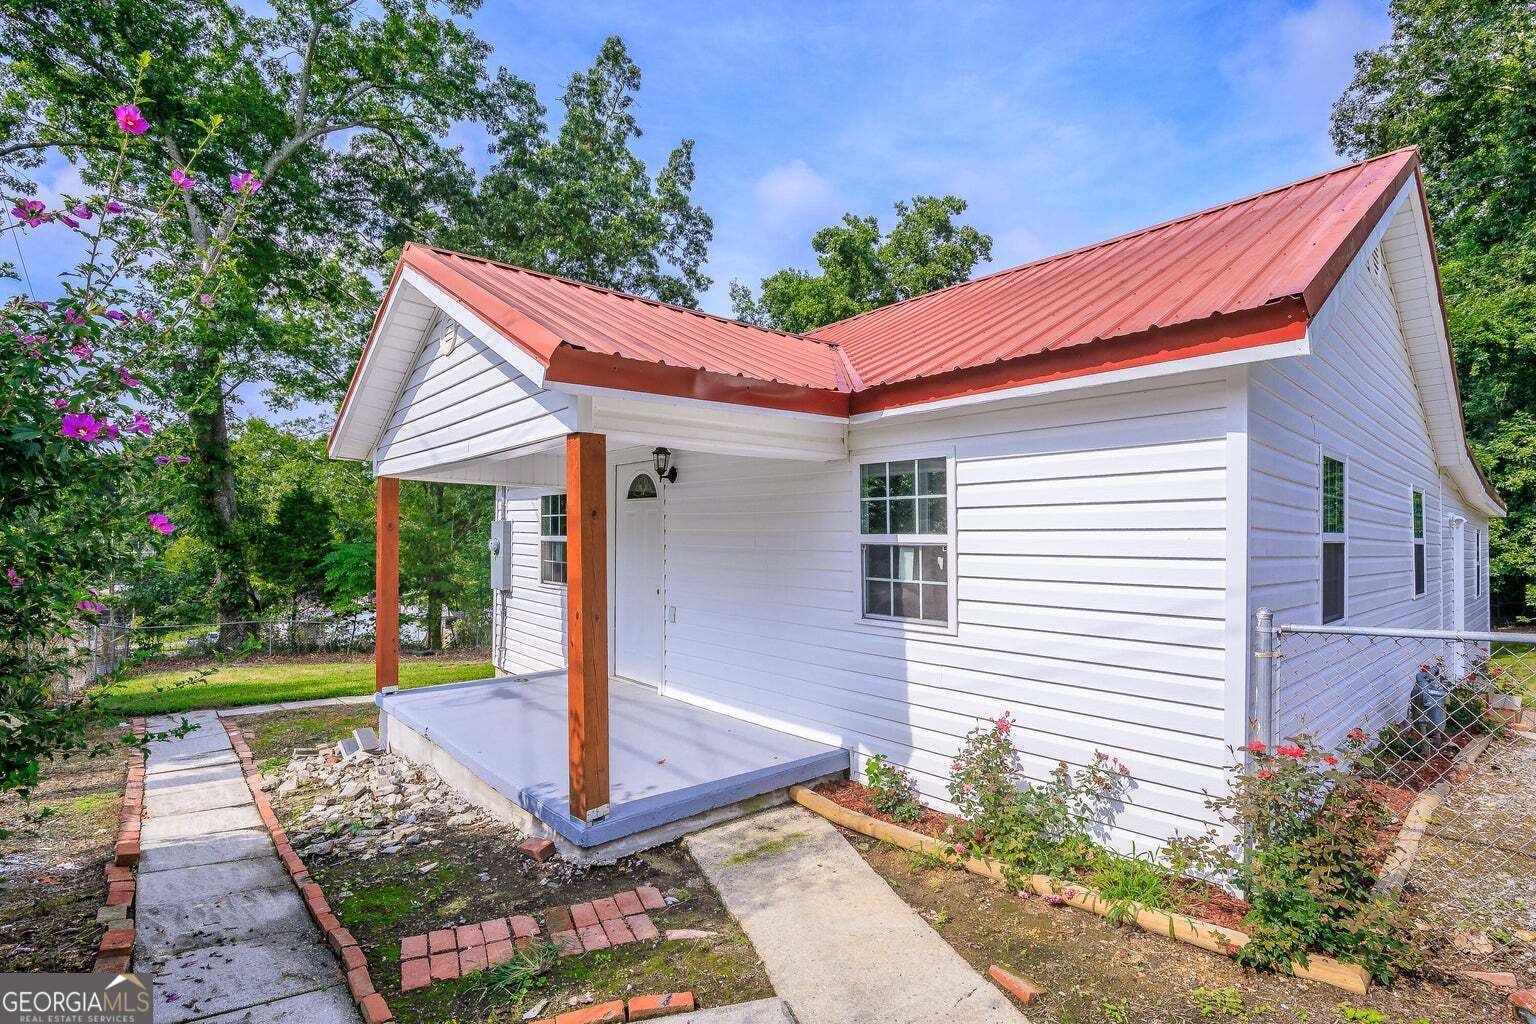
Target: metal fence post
[1261, 696]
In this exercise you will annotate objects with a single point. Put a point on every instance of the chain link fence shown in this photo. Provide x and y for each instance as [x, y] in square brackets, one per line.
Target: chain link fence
[113, 643]
[1442, 722]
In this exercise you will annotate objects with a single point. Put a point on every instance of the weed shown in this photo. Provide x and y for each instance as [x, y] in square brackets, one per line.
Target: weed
[1219, 1002]
[941, 918]
[526, 970]
[1129, 884]
[1357, 1015]
[1114, 1011]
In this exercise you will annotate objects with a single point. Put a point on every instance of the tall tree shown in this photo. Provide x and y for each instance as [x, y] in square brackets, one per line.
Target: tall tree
[1458, 79]
[581, 203]
[444, 560]
[323, 103]
[863, 270]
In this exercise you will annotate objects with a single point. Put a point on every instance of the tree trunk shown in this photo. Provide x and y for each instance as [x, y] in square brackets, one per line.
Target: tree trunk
[434, 623]
[214, 479]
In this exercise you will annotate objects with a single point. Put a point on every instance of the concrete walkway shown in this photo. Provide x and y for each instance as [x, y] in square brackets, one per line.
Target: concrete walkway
[295, 705]
[839, 945]
[220, 926]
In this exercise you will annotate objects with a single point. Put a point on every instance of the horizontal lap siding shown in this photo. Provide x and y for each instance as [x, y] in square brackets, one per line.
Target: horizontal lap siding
[1091, 599]
[463, 404]
[1353, 397]
[528, 621]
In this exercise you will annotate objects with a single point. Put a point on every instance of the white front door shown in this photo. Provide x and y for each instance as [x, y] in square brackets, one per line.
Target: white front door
[638, 603]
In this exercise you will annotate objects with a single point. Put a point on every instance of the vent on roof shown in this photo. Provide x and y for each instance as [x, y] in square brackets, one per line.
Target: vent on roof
[449, 337]
[1376, 266]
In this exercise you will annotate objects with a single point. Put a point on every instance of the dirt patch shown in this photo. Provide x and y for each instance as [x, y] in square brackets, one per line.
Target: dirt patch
[1094, 971]
[455, 872]
[856, 797]
[53, 849]
[279, 733]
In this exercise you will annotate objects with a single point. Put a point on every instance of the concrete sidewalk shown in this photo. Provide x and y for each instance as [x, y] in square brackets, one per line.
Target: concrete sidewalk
[839, 945]
[221, 928]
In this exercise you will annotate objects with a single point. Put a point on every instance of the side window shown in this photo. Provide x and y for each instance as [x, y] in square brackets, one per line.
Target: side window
[904, 527]
[552, 539]
[1418, 543]
[1477, 562]
[1335, 553]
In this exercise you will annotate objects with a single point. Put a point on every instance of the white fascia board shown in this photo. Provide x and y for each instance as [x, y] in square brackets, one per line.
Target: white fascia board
[509, 350]
[342, 446]
[1217, 360]
[690, 403]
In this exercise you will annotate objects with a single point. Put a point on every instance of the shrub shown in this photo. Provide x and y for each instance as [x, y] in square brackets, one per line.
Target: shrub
[1314, 831]
[1041, 828]
[892, 790]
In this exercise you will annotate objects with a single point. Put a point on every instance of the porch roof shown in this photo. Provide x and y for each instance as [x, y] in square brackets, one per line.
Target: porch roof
[669, 760]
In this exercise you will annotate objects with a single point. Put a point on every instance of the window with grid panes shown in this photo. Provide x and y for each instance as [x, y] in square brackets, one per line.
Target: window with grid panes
[904, 526]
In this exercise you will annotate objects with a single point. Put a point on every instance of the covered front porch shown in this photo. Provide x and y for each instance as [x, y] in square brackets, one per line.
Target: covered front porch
[458, 385]
[674, 766]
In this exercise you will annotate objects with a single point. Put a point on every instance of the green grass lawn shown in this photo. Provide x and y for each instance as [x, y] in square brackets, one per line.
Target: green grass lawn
[228, 686]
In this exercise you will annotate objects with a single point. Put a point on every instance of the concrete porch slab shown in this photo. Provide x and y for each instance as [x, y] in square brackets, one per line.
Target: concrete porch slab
[669, 761]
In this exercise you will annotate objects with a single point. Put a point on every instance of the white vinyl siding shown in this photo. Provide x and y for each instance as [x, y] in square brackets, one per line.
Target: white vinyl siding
[1354, 397]
[464, 401]
[528, 621]
[1090, 562]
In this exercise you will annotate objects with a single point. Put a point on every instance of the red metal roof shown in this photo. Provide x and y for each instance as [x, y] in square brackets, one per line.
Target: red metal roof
[1250, 272]
[628, 327]
[1283, 249]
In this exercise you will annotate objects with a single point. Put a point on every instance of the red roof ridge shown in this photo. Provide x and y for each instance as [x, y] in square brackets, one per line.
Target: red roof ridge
[439, 250]
[1127, 236]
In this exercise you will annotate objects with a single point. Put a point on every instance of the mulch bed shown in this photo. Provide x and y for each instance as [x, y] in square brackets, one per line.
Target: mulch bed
[1195, 898]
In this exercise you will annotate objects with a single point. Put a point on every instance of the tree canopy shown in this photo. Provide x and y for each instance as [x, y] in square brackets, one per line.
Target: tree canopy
[1458, 79]
[863, 269]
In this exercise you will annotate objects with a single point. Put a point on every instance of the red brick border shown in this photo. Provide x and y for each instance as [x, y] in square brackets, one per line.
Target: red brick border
[639, 1008]
[114, 954]
[581, 928]
[354, 962]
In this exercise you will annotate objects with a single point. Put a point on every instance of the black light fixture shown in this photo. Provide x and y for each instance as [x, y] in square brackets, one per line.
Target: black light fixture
[664, 467]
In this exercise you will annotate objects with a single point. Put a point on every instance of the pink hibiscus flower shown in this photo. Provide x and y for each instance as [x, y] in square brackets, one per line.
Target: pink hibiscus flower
[80, 425]
[159, 521]
[130, 120]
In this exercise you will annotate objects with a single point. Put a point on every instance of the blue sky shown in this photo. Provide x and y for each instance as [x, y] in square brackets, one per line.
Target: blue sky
[1061, 124]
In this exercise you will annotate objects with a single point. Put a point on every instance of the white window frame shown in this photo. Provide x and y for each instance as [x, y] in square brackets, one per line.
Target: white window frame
[552, 538]
[895, 624]
[1477, 563]
[1325, 538]
[1418, 539]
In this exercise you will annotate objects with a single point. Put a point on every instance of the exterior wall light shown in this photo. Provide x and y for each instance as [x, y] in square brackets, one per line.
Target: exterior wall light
[664, 467]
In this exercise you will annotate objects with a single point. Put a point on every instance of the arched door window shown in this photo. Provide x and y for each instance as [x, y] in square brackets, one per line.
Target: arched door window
[642, 486]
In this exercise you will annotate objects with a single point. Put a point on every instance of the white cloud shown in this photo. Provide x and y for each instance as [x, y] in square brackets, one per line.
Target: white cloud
[1287, 76]
[794, 192]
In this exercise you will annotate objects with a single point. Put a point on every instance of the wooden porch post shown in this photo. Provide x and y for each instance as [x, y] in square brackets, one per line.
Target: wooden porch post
[386, 575]
[586, 504]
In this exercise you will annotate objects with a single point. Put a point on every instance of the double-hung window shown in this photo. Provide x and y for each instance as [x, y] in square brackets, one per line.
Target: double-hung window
[552, 539]
[1335, 545]
[904, 527]
[1418, 543]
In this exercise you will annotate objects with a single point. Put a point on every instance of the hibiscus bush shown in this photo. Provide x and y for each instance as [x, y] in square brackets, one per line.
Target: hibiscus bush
[1312, 833]
[1031, 827]
[77, 433]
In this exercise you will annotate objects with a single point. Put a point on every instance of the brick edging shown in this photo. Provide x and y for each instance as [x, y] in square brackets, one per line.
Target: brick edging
[354, 962]
[114, 953]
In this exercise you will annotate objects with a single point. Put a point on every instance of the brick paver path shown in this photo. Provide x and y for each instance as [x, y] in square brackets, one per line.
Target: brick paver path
[220, 925]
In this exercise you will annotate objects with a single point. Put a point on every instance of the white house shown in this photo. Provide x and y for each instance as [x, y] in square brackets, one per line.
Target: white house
[1061, 490]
